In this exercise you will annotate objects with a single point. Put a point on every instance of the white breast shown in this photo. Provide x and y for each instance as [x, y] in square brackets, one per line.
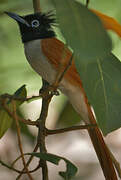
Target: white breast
[42, 66]
[38, 61]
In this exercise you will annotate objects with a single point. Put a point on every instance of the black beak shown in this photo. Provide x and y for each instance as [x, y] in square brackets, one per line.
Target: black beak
[18, 18]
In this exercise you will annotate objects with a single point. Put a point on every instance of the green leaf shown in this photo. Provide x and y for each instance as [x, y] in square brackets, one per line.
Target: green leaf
[102, 83]
[82, 29]
[71, 168]
[5, 119]
[20, 93]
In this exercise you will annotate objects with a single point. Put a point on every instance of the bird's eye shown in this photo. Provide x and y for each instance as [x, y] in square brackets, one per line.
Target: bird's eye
[35, 23]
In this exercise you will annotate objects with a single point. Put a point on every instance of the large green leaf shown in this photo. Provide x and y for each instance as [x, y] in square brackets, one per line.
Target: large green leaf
[5, 119]
[102, 83]
[82, 29]
[71, 168]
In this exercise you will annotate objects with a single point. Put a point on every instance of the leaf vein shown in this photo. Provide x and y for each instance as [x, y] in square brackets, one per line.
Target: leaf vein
[103, 84]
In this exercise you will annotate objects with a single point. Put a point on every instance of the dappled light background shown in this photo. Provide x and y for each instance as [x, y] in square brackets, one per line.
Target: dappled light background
[15, 71]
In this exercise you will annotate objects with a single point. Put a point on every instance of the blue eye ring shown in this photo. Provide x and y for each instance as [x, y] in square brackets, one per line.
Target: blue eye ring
[35, 23]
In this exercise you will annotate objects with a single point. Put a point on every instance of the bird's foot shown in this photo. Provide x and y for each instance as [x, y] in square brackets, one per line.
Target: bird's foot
[48, 89]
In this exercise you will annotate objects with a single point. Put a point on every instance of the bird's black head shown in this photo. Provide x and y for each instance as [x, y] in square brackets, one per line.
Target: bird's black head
[35, 26]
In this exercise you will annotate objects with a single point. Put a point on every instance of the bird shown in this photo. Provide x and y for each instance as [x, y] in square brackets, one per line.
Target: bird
[44, 53]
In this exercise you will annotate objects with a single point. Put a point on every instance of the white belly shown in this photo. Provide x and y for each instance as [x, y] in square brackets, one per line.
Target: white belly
[41, 65]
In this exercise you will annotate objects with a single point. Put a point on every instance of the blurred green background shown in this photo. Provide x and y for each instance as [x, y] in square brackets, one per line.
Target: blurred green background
[15, 70]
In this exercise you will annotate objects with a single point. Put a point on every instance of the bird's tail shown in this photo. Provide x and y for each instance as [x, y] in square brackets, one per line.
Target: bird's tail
[102, 154]
[101, 149]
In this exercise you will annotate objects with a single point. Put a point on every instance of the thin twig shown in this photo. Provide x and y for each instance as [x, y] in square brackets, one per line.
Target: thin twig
[9, 167]
[73, 128]
[28, 162]
[12, 115]
[19, 140]
[61, 71]
[13, 97]
[64, 71]
[16, 170]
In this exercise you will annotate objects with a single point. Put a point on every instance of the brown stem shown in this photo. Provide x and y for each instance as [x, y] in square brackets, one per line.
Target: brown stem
[73, 128]
[41, 130]
[19, 141]
[36, 6]
[28, 162]
[87, 3]
[12, 97]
